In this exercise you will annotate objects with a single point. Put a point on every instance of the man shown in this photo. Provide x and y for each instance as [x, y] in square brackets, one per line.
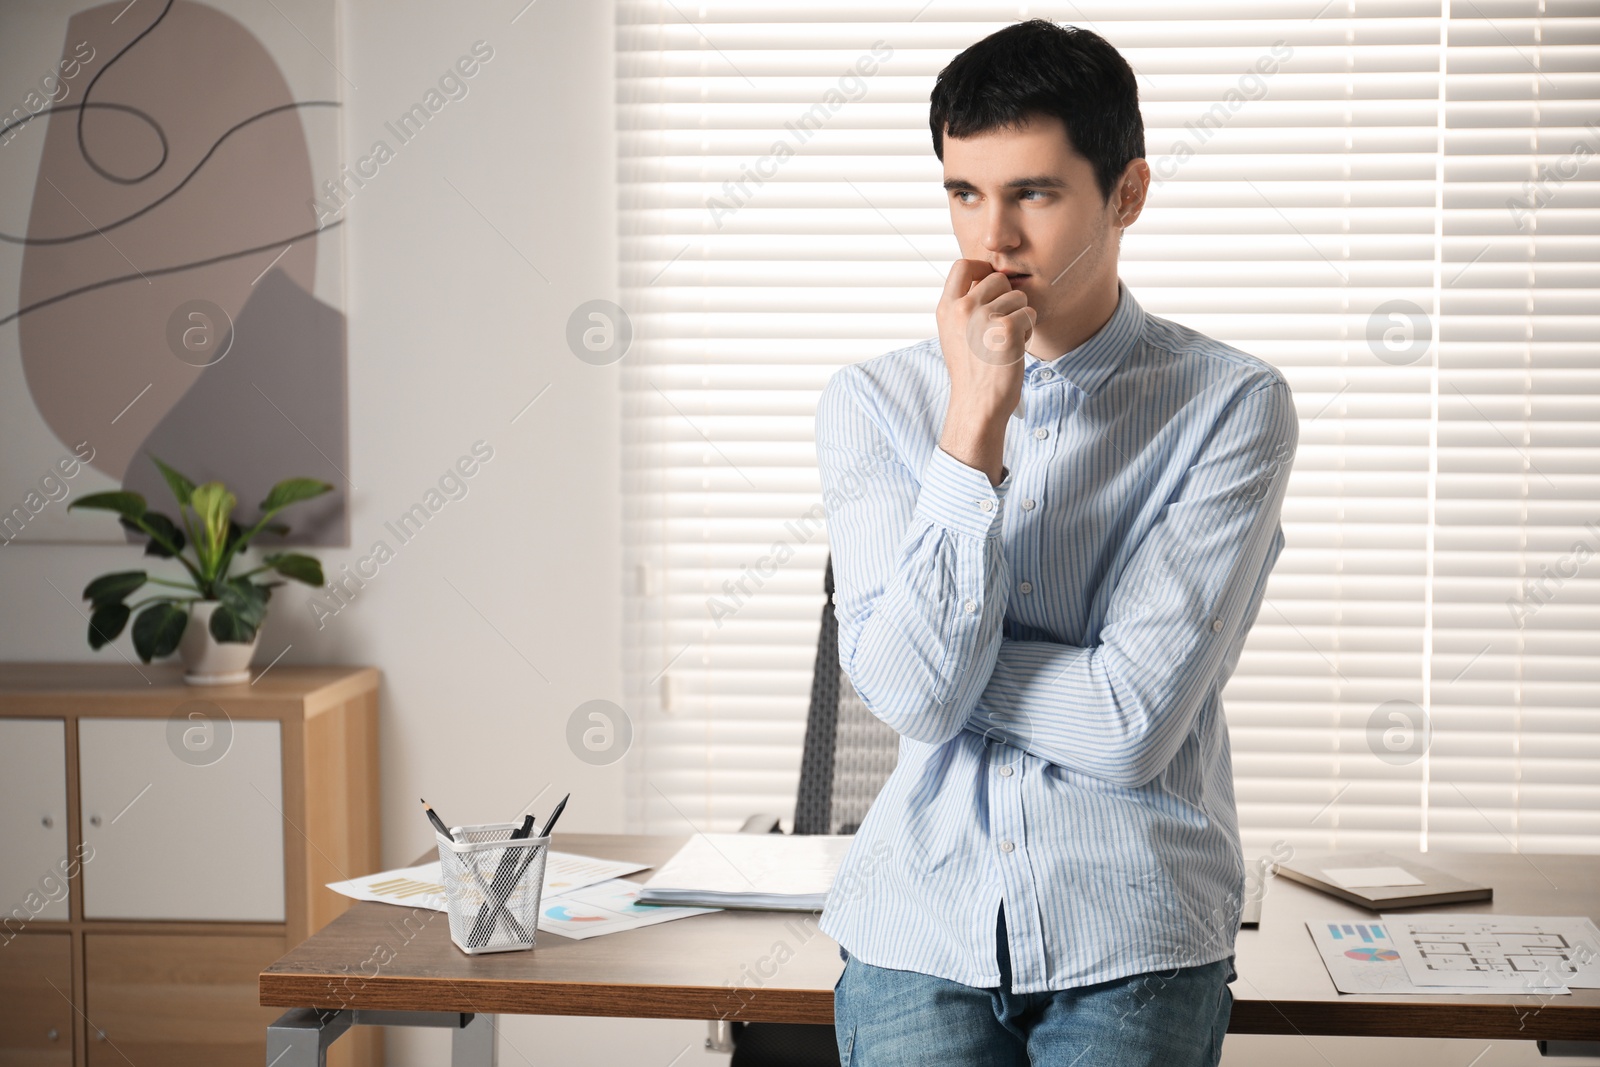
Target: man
[1051, 528]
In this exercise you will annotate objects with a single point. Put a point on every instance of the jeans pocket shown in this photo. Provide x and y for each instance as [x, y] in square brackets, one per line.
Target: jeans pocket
[1219, 1026]
[844, 1027]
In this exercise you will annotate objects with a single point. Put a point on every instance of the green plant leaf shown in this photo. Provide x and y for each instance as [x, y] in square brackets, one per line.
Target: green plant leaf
[158, 629]
[235, 531]
[131, 505]
[244, 599]
[114, 588]
[163, 526]
[294, 565]
[292, 491]
[107, 622]
[227, 625]
[182, 488]
[213, 505]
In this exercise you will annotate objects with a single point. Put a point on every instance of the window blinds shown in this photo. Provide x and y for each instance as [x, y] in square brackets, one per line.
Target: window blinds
[1394, 202]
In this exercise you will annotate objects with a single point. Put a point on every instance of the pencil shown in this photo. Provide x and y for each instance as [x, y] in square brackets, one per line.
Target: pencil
[438, 823]
[550, 824]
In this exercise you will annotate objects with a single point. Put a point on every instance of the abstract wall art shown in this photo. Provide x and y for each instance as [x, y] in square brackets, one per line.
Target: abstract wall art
[168, 284]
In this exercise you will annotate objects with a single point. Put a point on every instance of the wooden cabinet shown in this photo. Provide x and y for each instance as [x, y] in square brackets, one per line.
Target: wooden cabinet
[181, 1000]
[36, 1022]
[163, 844]
[176, 838]
[33, 817]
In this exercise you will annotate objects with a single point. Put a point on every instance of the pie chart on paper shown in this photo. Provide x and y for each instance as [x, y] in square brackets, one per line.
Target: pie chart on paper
[1373, 955]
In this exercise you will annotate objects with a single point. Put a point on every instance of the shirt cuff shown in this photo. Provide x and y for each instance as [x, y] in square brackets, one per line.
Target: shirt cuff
[960, 498]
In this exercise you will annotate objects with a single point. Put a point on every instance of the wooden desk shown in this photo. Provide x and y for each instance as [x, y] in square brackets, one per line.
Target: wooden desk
[725, 965]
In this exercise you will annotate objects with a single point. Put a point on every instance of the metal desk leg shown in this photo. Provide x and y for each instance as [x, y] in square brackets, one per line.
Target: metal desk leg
[473, 1043]
[1569, 1048]
[301, 1036]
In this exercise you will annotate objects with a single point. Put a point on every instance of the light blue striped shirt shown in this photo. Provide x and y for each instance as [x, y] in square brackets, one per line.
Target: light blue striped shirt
[1051, 652]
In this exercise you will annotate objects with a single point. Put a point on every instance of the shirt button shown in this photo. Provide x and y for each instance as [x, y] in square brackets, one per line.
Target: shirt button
[1041, 433]
[1046, 374]
[1024, 587]
[1006, 846]
[1027, 505]
[1005, 772]
[986, 505]
[1216, 626]
[971, 606]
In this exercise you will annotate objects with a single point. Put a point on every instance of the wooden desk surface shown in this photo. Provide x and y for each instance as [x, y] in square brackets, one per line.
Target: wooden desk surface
[779, 967]
[1283, 987]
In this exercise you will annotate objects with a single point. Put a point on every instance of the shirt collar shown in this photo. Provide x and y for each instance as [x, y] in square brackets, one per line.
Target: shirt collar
[1091, 363]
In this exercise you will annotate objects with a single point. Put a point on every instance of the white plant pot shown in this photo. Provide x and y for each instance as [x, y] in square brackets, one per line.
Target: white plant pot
[207, 661]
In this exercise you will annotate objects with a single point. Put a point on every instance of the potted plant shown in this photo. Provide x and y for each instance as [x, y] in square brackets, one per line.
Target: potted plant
[227, 607]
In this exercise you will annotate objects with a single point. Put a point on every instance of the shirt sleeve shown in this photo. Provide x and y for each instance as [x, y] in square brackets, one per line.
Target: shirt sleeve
[918, 569]
[1121, 710]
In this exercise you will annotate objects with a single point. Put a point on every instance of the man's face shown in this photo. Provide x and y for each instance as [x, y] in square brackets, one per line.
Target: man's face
[1024, 201]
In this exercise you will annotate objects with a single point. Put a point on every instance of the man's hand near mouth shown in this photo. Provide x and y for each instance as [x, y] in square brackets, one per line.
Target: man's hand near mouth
[983, 325]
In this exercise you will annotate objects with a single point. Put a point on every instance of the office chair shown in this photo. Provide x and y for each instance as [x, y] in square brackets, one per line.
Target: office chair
[848, 755]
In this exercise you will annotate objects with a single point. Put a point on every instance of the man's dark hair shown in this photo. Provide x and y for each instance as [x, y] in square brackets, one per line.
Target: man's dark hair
[1039, 68]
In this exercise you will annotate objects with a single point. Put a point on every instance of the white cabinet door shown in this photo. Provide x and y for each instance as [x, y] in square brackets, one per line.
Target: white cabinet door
[185, 822]
[34, 865]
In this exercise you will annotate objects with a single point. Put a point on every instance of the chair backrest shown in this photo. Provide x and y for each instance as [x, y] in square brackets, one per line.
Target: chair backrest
[849, 752]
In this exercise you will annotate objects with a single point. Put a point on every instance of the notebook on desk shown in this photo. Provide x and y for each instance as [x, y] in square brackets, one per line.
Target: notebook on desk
[1378, 880]
[781, 872]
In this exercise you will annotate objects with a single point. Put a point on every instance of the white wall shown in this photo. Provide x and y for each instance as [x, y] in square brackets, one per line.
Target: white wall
[451, 333]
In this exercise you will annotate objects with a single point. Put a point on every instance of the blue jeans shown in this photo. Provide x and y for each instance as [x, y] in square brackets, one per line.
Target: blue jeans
[889, 1018]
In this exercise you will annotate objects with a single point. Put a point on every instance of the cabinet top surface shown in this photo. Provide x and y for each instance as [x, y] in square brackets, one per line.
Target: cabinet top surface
[164, 681]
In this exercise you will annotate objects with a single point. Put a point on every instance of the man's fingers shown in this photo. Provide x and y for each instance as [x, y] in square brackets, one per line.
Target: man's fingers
[1007, 302]
[962, 276]
[990, 287]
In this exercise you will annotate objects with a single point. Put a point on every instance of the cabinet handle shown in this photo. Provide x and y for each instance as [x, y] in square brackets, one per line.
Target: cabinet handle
[94, 820]
[53, 1034]
[49, 823]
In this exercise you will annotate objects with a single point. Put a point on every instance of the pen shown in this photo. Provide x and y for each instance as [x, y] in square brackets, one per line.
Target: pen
[438, 823]
[505, 876]
[549, 825]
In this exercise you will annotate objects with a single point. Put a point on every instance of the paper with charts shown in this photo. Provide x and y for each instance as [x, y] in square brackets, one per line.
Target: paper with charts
[605, 909]
[1361, 958]
[422, 886]
[1498, 953]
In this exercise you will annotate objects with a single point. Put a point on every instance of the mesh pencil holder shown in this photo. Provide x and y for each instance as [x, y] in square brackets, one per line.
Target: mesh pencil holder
[492, 886]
